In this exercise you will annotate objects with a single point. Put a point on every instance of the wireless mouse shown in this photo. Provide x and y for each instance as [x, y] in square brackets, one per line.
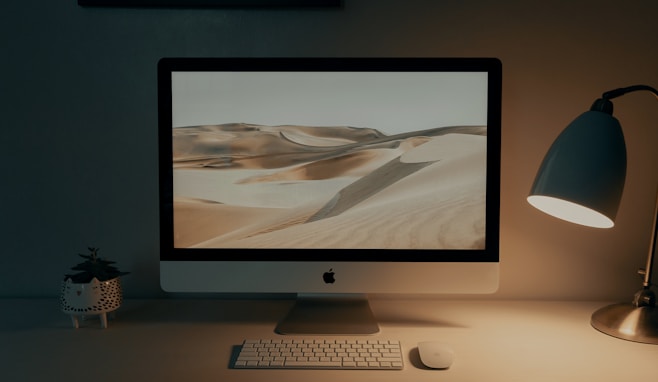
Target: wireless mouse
[436, 355]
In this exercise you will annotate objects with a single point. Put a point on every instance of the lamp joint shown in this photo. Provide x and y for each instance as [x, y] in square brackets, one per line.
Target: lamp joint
[603, 105]
[644, 297]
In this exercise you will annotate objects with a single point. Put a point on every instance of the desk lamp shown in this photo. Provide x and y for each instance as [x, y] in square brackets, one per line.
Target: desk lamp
[581, 180]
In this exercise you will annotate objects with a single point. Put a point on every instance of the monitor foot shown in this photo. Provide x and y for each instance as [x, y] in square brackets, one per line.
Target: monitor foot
[334, 315]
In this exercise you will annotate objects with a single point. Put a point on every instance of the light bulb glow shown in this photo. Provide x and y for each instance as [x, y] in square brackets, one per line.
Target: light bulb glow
[569, 211]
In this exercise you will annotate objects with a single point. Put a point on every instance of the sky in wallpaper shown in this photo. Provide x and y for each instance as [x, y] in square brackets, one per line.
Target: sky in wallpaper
[386, 101]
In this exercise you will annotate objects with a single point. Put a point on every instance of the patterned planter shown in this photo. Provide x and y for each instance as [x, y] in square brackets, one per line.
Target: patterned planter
[96, 298]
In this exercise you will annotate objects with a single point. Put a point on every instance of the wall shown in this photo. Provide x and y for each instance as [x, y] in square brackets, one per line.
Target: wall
[78, 153]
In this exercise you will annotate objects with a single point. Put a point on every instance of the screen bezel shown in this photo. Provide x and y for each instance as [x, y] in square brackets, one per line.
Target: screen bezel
[491, 66]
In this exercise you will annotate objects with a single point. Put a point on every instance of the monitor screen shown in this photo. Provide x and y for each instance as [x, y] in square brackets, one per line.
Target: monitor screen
[329, 175]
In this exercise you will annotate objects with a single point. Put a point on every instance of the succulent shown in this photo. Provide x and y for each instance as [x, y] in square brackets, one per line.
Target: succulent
[94, 266]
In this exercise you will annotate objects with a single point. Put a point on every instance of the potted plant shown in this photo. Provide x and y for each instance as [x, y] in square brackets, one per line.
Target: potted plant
[94, 290]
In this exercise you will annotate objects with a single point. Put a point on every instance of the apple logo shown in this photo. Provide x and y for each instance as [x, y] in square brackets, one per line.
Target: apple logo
[328, 277]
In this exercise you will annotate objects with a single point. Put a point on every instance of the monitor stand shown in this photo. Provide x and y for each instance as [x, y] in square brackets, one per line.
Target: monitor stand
[347, 314]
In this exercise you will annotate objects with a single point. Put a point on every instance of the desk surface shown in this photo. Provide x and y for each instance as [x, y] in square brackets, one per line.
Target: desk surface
[193, 340]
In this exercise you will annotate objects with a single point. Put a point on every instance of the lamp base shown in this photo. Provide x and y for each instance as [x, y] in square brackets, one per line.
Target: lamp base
[628, 322]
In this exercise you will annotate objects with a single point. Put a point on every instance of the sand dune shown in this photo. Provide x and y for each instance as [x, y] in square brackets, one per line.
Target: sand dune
[312, 189]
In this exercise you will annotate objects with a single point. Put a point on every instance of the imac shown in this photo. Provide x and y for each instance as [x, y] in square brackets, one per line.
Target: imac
[329, 178]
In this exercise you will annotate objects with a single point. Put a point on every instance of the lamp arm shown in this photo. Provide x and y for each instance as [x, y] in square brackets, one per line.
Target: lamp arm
[652, 247]
[621, 91]
[604, 104]
[644, 297]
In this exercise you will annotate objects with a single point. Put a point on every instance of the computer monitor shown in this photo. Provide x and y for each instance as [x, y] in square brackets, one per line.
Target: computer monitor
[329, 177]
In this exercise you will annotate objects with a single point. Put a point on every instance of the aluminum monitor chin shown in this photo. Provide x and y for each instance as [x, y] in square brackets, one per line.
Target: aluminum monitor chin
[276, 173]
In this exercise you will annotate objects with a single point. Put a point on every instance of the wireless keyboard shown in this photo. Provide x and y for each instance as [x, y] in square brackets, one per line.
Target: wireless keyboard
[305, 353]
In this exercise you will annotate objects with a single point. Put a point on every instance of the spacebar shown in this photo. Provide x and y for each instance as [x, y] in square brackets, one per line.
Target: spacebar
[313, 364]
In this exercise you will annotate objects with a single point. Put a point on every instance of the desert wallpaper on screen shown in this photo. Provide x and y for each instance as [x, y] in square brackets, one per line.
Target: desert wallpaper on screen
[243, 185]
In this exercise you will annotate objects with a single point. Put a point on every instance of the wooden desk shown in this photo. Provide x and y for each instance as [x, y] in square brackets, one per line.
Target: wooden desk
[192, 340]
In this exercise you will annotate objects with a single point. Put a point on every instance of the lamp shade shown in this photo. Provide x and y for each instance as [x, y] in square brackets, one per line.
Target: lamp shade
[581, 178]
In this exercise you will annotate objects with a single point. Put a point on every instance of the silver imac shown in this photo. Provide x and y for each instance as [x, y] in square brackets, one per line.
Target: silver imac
[329, 178]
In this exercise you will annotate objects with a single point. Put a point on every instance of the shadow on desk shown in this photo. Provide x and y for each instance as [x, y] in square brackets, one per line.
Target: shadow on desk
[27, 314]
[203, 311]
[46, 313]
[389, 313]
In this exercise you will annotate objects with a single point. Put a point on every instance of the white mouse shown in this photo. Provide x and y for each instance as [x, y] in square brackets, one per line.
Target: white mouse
[436, 355]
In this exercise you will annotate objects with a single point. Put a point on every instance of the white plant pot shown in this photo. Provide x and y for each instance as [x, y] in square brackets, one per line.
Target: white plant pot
[95, 298]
